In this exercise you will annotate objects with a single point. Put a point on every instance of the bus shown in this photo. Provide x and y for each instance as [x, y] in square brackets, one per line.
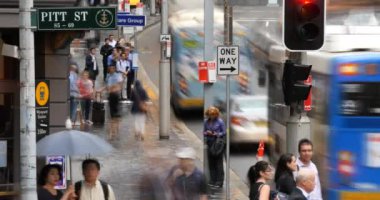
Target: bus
[187, 32]
[345, 115]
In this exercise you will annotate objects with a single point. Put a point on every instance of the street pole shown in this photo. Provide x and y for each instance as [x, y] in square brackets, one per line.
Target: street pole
[152, 7]
[208, 56]
[27, 105]
[228, 40]
[164, 84]
[135, 50]
[298, 124]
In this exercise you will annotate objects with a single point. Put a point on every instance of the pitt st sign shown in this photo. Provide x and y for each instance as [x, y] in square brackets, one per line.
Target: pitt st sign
[76, 18]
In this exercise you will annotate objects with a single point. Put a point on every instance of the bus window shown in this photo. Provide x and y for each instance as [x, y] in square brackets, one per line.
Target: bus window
[360, 99]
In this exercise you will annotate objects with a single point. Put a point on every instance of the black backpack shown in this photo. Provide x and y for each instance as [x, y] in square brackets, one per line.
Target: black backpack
[78, 187]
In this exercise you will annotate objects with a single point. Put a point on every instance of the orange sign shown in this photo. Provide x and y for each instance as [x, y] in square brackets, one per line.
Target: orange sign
[42, 94]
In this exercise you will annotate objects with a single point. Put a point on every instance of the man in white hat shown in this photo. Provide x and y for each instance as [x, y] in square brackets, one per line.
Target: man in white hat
[185, 180]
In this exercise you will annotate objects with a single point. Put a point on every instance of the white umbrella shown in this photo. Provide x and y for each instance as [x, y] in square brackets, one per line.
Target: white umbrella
[72, 143]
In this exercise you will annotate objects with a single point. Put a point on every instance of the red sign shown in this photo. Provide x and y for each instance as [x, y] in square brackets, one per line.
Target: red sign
[307, 102]
[203, 72]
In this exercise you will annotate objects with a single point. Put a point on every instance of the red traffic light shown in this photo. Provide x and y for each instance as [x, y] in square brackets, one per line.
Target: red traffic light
[309, 11]
[304, 24]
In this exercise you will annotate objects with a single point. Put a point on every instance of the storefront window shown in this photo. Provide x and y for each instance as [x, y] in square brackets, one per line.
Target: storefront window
[7, 143]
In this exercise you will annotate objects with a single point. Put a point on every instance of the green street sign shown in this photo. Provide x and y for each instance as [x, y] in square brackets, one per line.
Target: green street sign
[51, 19]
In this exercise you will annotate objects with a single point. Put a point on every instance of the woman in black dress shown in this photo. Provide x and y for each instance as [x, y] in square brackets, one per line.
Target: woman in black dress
[50, 175]
[283, 178]
[258, 176]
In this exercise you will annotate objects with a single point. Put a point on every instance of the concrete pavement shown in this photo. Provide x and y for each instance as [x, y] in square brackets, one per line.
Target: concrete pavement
[132, 159]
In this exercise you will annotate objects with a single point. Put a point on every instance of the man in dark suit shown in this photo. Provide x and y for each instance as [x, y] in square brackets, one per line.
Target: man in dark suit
[305, 185]
[91, 65]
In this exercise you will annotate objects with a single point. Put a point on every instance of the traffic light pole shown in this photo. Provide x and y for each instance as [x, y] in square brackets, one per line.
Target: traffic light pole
[298, 124]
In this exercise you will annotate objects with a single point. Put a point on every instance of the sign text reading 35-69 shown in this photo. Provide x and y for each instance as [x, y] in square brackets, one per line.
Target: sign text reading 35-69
[76, 18]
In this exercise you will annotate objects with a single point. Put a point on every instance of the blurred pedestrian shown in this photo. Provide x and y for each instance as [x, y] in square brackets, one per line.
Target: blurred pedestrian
[305, 150]
[50, 176]
[91, 188]
[130, 75]
[305, 185]
[185, 179]
[113, 42]
[91, 64]
[114, 56]
[85, 86]
[258, 176]
[283, 177]
[214, 128]
[74, 92]
[105, 51]
[139, 109]
[114, 82]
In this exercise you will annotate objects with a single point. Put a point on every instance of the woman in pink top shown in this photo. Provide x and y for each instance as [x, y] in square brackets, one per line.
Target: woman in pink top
[85, 86]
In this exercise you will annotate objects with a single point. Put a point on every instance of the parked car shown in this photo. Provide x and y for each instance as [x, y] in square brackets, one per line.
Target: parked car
[249, 119]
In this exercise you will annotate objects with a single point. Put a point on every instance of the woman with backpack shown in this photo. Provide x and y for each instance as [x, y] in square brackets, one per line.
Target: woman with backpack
[258, 176]
[283, 178]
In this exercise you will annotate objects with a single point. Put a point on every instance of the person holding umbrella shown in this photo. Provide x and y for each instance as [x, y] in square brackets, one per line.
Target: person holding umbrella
[50, 175]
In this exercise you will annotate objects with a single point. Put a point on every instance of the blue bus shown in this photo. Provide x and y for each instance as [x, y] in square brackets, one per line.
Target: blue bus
[186, 28]
[345, 115]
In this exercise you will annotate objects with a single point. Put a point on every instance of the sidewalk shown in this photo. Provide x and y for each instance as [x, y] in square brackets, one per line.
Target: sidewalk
[132, 159]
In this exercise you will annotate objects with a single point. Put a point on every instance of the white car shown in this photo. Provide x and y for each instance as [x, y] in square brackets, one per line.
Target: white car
[249, 119]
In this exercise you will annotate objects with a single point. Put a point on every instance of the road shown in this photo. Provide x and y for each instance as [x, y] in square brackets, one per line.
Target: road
[149, 48]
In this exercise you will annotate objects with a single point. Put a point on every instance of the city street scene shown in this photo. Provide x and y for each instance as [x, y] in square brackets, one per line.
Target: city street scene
[189, 100]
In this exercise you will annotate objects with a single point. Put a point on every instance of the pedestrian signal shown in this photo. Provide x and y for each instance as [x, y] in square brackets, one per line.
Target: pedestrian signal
[293, 85]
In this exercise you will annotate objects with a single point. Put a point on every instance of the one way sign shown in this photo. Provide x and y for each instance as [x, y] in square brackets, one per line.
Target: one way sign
[228, 60]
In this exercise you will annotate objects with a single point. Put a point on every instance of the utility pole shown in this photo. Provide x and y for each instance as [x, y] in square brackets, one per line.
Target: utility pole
[298, 124]
[27, 105]
[164, 78]
[208, 56]
[228, 40]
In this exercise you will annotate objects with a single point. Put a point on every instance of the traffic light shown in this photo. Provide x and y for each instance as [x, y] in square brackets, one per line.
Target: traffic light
[303, 25]
[293, 79]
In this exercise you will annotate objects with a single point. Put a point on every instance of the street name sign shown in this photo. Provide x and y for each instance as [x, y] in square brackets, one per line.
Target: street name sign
[125, 19]
[76, 18]
[228, 60]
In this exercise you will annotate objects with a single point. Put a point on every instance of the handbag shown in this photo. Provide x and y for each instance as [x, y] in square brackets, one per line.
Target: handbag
[143, 106]
[217, 147]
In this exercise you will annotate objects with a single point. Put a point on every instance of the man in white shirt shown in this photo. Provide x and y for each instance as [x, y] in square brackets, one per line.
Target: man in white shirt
[305, 185]
[91, 188]
[122, 67]
[112, 41]
[305, 150]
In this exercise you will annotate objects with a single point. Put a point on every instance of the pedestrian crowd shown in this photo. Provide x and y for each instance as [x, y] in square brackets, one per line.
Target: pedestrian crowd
[295, 178]
[119, 78]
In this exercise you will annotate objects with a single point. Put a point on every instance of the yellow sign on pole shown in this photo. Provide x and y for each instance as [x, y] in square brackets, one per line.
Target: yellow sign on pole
[42, 94]
[134, 2]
